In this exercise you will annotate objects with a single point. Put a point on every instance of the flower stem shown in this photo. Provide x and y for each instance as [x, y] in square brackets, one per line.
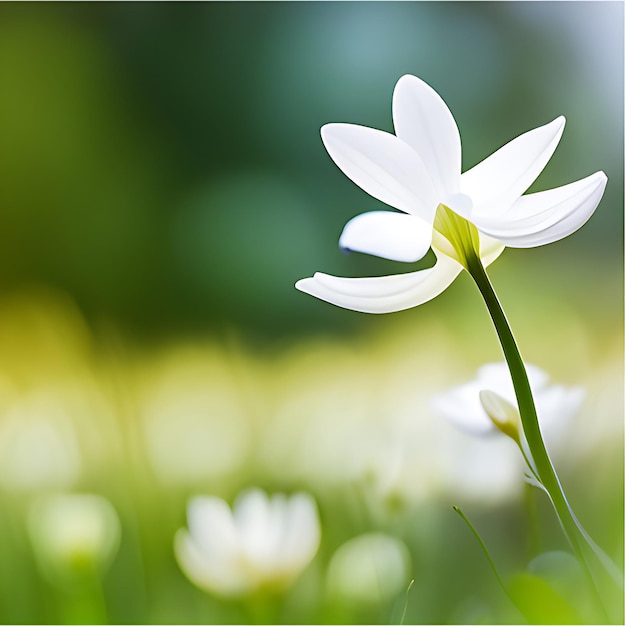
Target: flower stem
[525, 401]
[484, 549]
[587, 551]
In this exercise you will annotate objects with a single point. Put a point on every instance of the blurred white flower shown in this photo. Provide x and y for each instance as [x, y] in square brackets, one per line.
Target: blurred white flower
[468, 406]
[371, 568]
[73, 534]
[418, 172]
[264, 541]
[38, 446]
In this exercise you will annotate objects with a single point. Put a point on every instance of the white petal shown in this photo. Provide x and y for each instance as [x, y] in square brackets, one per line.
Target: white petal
[383, 166]
[461, 406]
[495, 183]
[211, 525]
[556, 406]
[500, 411]
[215, 575]
[560, 402]
[395, 236]
[490, 249]
[422, 119]
[496, 377]
[251, 509]
[257, 527]
[547, 216]
[491, 393]
[537, 378]
[302, 533]
[383, 294]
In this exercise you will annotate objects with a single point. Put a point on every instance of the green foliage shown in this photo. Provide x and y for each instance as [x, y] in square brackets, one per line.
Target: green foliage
[539, 602]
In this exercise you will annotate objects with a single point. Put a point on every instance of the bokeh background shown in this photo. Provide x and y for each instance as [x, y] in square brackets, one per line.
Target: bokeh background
[163, 186]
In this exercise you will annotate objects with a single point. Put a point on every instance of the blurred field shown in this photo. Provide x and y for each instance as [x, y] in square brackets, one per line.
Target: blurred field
[164, 186]
[349, 421]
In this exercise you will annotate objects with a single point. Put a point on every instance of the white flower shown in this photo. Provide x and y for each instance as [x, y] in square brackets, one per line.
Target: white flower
[469, 407]
[419, 169]
[370, 569]
[73, 534]
[38, 445]
[263, 541]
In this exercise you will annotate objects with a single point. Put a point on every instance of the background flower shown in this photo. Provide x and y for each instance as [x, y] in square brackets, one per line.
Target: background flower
[73, 535]
[369, 569]
[263, 541]
[555, 404]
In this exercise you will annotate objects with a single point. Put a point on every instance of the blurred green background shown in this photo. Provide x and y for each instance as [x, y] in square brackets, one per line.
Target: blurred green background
[162, 187]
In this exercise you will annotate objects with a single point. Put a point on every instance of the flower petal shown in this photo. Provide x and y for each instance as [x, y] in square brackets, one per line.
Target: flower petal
[461, 407]
[382, 165]
[504, 415]
[395, 236]
[560, 401]
[212, 527]
[258, 522]
[490, 249]
[383, 294]
[422, 119]
[209, 552]
[496, 377]
[464, 407]
[301, 537]
[214, 575]
[541, 218]
[498, 181]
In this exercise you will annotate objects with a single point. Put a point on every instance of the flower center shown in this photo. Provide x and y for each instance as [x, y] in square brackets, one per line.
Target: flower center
[455, 236]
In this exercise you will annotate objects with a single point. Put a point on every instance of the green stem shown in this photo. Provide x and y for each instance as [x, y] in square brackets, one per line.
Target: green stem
[484, 549]
[588, 553]
[533, 520]
[525, 401]
[406, 601]
[85, 603]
